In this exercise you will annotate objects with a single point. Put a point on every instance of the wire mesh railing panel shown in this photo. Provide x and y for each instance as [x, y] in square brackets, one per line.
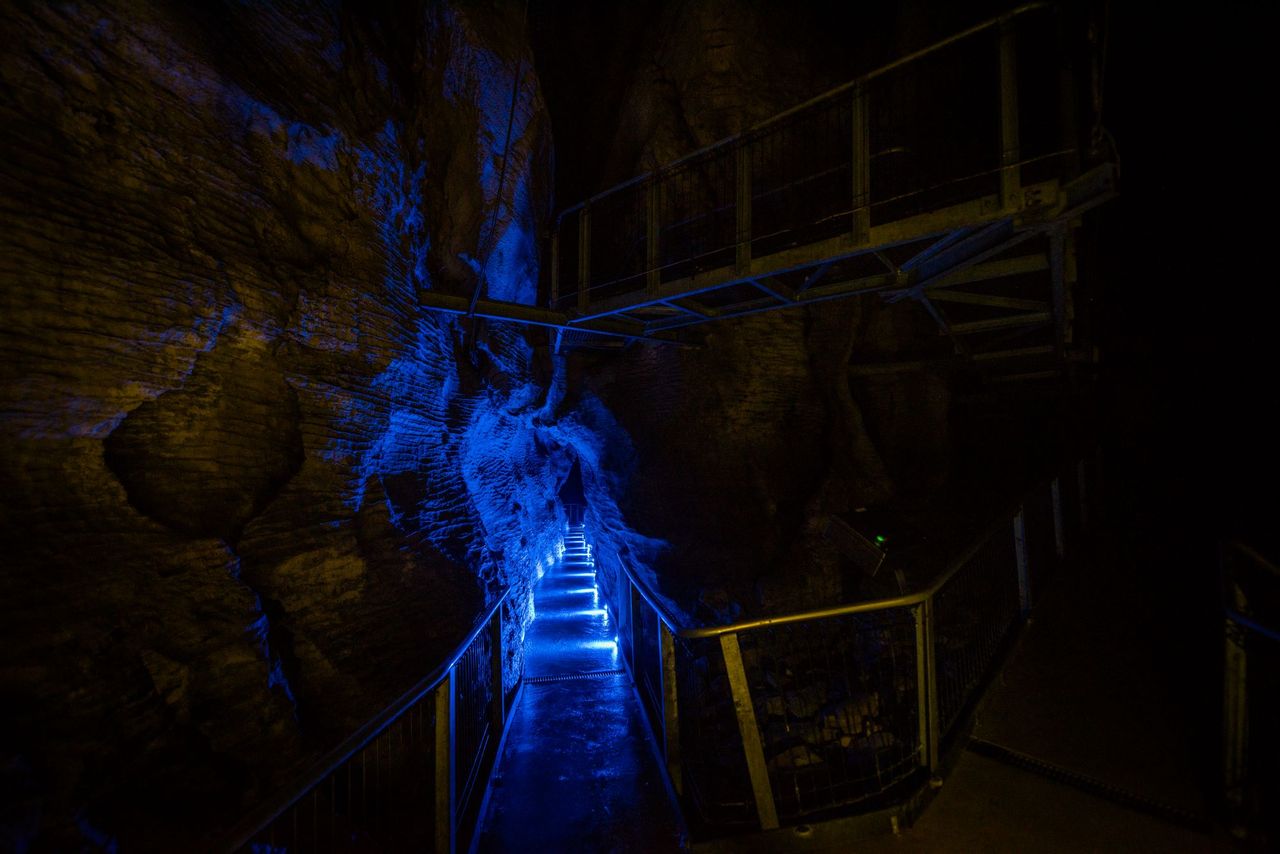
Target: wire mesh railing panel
[837, 705]
[717, 785]
[382, 796]
[473, 697]
[698, 214]
[648, 662]
[801, 177]
[1041, 539]
[615, 590]
[619, 230]
[513, 627]
[935, 129]
[973, 613]
[1046, 144]
[1261, 784]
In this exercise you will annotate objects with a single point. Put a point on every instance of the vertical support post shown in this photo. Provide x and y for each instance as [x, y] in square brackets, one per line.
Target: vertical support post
[1067, 93]
[743, 206]
[922, 682]
[499, 710]
[555, 265]
[751, 745]
[1059, 523]
[446, 819]
[584, 257]
[653, 227]
[1020, 551]
[1010, 177]
[632, 595]
[1058, 276]
[931, 683]
[1081, 479]
[861, 170]
[1235, 705]
[670, 711]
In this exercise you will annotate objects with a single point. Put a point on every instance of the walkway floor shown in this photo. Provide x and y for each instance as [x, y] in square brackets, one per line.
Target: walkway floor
[578, 772]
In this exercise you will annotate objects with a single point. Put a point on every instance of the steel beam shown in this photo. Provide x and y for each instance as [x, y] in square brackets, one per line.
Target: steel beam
[985, 271]
[774, 288]
[1031, 318]
[988, 300]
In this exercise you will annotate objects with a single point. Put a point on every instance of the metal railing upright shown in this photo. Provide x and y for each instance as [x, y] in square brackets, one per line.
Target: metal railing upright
[767, 721]
[412, 777]
[1251, 687]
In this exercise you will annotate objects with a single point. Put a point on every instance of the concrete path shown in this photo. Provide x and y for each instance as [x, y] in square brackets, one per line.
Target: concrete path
[578, 772]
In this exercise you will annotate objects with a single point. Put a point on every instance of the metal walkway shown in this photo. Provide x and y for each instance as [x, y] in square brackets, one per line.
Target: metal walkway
[577, 771]
[951, 177]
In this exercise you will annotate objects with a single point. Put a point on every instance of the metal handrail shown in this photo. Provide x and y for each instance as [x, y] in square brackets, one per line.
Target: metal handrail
[244, 830]
[905, 601]
[830, 93]
[944, 678]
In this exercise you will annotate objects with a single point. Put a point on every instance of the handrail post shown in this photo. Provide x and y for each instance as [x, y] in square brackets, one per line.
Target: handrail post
[653, 210]
[931, 683]
[555, 265]
[445, 776]
[742, 161]
[1010, 178]
[750, 733]
[584, 257]
[1082, 494]
[1067, 93]
[922, 682]
[1235, 703]
[1059, 524]
[670, 711]
[1020, 554]
[498, 713]
[861, 167]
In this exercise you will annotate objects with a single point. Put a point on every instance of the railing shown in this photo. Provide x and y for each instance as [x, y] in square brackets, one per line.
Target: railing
[575, 513]
[981, 114]
[769, 721]
[1251, 687]
[410, 779]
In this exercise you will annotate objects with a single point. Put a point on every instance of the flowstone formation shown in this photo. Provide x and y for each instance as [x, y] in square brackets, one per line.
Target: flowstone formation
[252, 492]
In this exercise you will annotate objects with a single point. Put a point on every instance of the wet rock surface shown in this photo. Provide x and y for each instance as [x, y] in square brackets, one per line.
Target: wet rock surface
[241, 467]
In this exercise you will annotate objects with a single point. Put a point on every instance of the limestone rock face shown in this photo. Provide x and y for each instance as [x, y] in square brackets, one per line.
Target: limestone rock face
[251, 491]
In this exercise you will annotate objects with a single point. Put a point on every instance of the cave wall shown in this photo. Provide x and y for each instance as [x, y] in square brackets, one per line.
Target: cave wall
[251, 491]
[751, 441]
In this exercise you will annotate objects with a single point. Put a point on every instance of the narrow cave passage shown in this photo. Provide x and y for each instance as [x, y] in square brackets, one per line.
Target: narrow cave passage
[577, 771]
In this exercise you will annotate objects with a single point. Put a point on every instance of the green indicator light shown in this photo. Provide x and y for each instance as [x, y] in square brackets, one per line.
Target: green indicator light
[879, 539]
